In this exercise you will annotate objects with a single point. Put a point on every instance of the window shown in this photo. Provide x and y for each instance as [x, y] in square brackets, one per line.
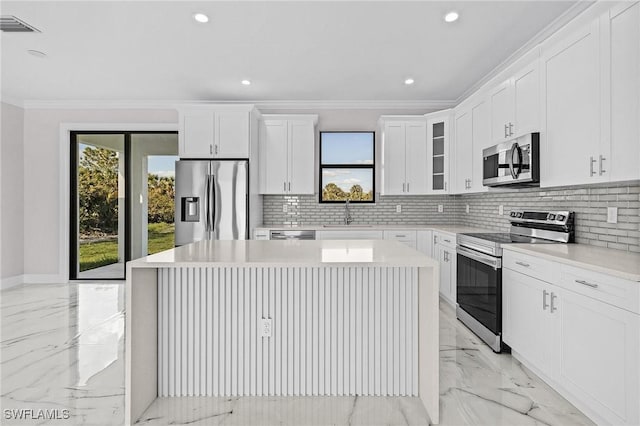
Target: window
[347, 167]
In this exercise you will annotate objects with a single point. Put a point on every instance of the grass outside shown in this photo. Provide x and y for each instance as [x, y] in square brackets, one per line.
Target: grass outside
[101, 253]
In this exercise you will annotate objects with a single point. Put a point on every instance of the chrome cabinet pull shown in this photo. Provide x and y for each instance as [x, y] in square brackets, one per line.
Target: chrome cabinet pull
[210, 149]
[553, 308]
[447, 241]
[602, 171]
[407, 186]
[289, 186]
[403, 186]
[588, 284]
[216, 149]
[526, 265]
[505, 131]
[591, 172]
[435, 239]
[284, 186]
[544, 300]
[510, 129]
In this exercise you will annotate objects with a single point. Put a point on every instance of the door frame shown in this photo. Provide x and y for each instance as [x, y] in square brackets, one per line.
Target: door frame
[64, 183]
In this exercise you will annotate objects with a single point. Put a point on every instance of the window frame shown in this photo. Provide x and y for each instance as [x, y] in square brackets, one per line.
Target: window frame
[371, 166]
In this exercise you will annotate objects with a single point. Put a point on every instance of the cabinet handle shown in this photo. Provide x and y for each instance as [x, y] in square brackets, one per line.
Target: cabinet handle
[588, 284]
[591, 161]
[284, 186]
[526, 265]
[553, 297]
[446, 256]
[400, 236]
[407, 186]
[510, 129]
[289, 186]
[445, 186]
[602, 171]
[544, 300]
[447, 241]
[403, 186]
[506, 128]
[210, 149]
[216, 149]
[435, 239]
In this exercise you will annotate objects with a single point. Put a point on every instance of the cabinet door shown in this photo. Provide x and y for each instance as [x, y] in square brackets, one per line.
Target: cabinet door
[501, 99]
[232, 135]
[416, 158]
[438, 154]
[197, 134]
[571, 104]
[481, 136]
[599, 357]
[447, 259]
[527, 323]
[526, 100]
[463, 164]
[621, 83]
[273, 157]
[301, 156]
[425, 242]
[393, 161]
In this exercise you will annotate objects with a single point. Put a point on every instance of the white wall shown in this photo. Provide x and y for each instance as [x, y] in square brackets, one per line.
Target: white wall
[42, 204]
[11, 194]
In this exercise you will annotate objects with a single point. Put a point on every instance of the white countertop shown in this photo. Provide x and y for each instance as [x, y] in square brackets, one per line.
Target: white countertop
[599, 259]
[451, 229]
[288, 253]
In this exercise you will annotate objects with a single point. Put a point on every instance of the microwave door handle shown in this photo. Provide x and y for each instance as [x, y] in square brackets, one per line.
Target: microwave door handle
[512, 167]
[510, 162]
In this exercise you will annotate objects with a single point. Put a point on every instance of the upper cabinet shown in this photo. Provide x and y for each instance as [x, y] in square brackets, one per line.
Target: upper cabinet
[215, 132]
[472, 135]
[515, 104]
[438, 151]
[591, 100]
[404, 155]
[287, 160]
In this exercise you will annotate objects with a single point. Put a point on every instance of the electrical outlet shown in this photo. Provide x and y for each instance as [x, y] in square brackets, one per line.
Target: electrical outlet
[612, 215]
[284, 208]
[500, 209]
[467, 209]
[398, 208]
[265, 327]
[440, 208]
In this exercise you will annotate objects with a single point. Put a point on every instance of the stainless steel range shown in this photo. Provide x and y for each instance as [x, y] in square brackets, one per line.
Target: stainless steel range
[479, 267]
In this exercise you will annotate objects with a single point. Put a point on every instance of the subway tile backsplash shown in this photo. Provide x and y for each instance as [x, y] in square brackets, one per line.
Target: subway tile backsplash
[589, 202]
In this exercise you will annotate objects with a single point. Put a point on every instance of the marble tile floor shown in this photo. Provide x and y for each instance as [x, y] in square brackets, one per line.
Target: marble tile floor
[62, 347]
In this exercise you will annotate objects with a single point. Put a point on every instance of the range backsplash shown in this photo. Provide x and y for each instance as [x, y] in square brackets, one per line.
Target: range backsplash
[590, 204]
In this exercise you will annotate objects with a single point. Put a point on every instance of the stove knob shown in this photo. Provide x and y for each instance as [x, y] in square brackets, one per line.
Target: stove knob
[519, 214]
[551, 216]
[560, 217]
[512, 214]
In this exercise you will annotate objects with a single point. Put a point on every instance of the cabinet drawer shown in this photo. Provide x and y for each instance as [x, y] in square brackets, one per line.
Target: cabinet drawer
[529, 265]
[261, 234]
[349, 235]
[407, 237]
[444, 239]
[606, 288]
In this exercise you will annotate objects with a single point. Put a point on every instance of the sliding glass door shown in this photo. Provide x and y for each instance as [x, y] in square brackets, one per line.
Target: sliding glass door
[122, 200]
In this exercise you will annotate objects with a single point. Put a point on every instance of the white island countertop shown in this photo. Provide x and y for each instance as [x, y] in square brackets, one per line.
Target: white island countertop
[618, 263]
[288, 253]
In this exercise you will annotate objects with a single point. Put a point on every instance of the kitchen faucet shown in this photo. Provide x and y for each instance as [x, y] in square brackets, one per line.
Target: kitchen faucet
[347, 214]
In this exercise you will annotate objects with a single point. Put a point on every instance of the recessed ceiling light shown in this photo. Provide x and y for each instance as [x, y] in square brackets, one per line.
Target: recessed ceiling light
[246, 82]
[201, 17]
[451, 16]
[409, 81]
[37, 53]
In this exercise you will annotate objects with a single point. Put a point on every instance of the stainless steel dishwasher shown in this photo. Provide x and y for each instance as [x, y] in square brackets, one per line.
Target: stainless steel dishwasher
[290, 234]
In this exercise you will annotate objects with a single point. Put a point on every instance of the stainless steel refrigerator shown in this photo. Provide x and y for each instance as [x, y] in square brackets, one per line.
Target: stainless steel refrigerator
[211, 200]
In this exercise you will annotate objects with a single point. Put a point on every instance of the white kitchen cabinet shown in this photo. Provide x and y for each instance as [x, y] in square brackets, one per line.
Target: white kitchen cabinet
[404, 152]
[215, 132]
[438, 151]
[472, 135]
[405, 236]
[515, 105]
[619, 151]
[579, 329]
[444, 251]
[350, 234]
[287, 154]
[571, 105]
[424, 242]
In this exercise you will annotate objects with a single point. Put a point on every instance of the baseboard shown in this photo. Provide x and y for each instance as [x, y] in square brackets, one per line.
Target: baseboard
[44, 279]
[11, 282]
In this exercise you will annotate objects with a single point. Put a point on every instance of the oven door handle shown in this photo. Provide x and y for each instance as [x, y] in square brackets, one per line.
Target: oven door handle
[494, 262]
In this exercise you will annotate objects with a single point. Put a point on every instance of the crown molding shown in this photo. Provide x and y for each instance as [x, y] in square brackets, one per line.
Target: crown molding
[275, 105]
[574, 11]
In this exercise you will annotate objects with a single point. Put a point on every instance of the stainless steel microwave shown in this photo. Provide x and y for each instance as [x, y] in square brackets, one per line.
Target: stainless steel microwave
[515, 162]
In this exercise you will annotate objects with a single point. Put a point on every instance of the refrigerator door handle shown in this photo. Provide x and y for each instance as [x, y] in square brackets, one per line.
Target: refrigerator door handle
[206, 206]
[212, 202]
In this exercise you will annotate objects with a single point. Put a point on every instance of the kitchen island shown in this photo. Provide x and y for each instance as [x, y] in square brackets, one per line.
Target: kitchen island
[279, 318]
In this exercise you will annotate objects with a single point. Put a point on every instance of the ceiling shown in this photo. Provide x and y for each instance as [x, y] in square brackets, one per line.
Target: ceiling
[295, 51]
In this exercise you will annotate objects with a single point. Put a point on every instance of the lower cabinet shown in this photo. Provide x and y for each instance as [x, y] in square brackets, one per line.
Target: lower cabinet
[588, 350]
[446, 256]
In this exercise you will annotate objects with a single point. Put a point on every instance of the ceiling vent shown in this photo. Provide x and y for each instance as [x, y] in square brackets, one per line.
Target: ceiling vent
[11, 24]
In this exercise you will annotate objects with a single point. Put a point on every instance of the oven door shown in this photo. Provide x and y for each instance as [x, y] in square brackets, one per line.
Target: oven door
[479, 287]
